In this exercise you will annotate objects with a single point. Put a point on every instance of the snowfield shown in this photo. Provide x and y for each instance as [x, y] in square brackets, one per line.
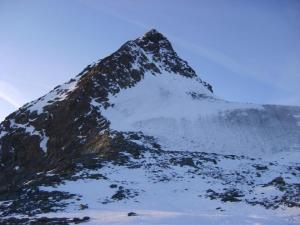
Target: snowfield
[163, 193]
[184, 116]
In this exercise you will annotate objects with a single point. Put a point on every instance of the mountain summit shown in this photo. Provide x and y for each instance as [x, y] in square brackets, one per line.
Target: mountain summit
[38, 129]
[147, 74]
[143, 109]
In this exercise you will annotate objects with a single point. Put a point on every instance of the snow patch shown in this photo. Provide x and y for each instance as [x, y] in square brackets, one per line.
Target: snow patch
[297, 117]
[3, 133]
[29, 129]
[60, 93]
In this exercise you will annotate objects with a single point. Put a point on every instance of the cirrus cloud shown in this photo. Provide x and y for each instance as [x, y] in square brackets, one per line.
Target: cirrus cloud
[10, 94]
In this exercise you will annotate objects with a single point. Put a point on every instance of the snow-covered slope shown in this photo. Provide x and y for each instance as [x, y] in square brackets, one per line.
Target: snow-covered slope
[177, 188]
[183, 115]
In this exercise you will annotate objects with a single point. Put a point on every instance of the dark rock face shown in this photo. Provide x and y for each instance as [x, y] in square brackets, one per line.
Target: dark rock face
[227, 196]
[278, 181]
[132, 214]
[67, 122]
[44, 220]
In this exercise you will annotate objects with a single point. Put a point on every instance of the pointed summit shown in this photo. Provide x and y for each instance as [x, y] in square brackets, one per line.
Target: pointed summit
[152, 31]
[153, 35]
[77, 105]
[159, 51]
[154, 41]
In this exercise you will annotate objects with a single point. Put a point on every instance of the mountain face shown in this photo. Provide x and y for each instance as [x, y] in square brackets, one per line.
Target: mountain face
[143, 110]
[38, 129]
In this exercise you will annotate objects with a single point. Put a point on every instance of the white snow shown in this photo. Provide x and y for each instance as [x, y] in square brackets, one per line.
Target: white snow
[297, 116]
[29, 129]
[2, 134]
[178, 201]
[166, 96]
[162, 106]
[17, 168]
[43, 143]
[58, 94]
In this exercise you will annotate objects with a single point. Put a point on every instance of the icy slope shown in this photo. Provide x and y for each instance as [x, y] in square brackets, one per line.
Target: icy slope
[183, 115]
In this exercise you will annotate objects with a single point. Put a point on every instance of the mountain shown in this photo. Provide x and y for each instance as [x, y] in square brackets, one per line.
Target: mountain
[138, 130]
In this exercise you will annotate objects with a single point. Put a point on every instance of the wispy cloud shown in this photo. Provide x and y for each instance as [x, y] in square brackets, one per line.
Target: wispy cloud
[10, 94]
[107, 8]
[215, 56]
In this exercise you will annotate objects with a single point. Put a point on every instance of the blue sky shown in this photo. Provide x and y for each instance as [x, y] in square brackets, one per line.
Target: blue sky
[248, 50]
